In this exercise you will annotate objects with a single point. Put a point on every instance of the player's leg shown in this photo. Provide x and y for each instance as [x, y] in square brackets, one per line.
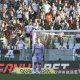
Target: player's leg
[38, 65]
[34, 64]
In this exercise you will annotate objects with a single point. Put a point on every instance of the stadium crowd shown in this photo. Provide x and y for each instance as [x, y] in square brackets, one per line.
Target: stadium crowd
[20, 17]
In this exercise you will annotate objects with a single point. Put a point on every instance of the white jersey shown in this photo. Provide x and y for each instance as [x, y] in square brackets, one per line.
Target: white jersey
[20, 44]
[19, 13]
[46, 8]
[28, 28]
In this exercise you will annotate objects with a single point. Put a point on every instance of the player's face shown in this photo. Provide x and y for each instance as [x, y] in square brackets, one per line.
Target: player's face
[38, 40]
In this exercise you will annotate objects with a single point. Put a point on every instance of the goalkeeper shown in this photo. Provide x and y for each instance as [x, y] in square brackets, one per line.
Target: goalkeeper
[38, 56]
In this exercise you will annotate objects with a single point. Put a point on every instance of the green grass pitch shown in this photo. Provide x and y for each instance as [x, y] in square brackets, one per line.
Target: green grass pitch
[38, 77]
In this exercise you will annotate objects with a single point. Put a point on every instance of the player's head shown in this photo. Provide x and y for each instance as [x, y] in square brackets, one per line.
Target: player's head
[38, 40]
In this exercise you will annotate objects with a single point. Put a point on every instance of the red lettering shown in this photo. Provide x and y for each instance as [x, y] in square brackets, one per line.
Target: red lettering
[1, 65]
[9, 67]
[20, 65]
[15, 65]
[24, 65]
[29, 65]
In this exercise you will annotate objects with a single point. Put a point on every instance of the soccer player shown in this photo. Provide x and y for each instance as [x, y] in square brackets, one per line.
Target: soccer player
[38, 56]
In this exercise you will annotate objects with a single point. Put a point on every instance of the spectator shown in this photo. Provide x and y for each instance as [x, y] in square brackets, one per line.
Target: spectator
[11, 13]
[29, 28]
[21, 47]
[5, 42]
[46, 7]
[19, 14]
[26, 13]
[54, 9]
